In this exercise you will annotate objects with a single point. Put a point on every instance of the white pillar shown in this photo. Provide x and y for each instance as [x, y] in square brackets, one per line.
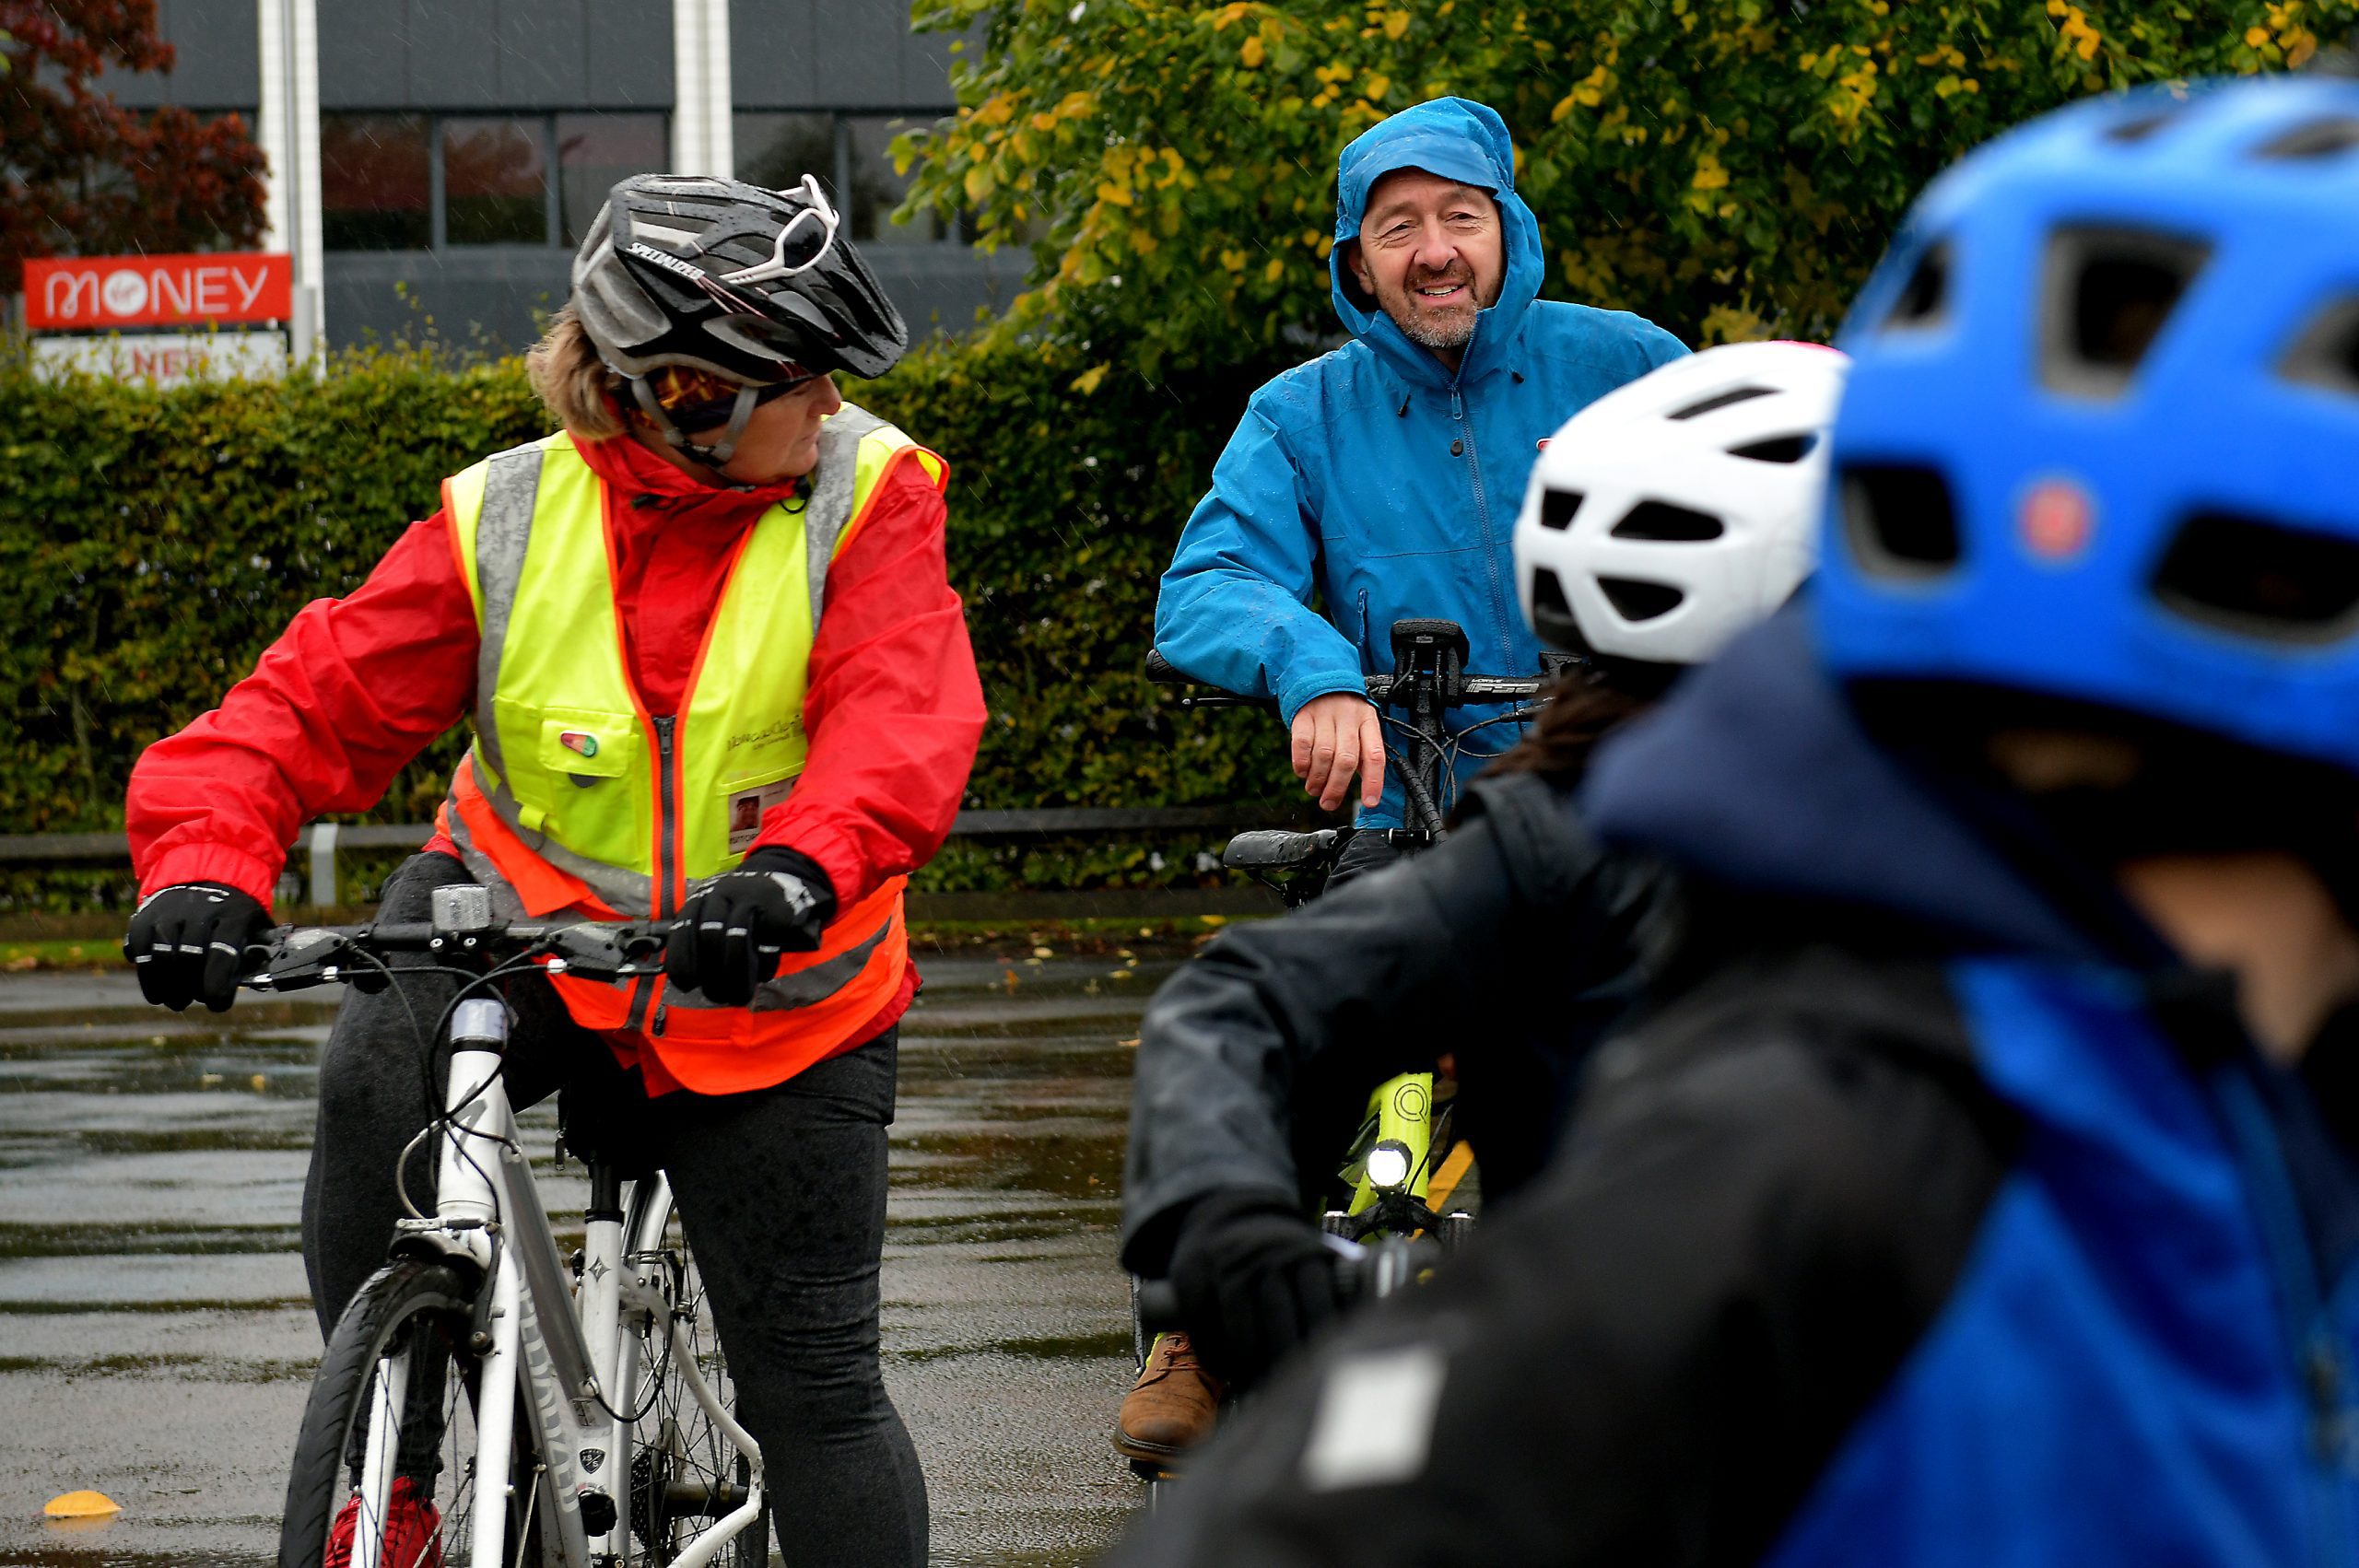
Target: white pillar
[288, 130]
[702, 140]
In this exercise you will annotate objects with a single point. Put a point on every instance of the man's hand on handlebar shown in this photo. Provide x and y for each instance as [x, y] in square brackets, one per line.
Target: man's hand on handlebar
[1334, 737]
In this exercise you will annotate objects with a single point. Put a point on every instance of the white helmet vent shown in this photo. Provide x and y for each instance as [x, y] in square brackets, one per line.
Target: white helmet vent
[1556, 509]
[1723, 399]
[1666, 523]
[1779, 448]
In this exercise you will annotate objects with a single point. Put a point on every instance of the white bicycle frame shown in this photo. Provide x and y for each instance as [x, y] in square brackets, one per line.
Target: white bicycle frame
[574, 1375]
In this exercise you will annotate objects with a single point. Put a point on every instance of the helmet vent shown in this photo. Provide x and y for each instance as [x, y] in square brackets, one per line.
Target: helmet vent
[2319, 138]
[1636, 601]
[2262, 579]
[1925, 294]
[2327, 352]
[1779, 448]
[1557, 506]
[2139, 127]
[1552, 617]
[2109, 293]
[1899, 521]
[1723, 399]
[1664, 523]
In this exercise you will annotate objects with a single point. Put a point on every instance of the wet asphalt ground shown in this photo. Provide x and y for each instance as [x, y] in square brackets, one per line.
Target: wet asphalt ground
[156, 1340]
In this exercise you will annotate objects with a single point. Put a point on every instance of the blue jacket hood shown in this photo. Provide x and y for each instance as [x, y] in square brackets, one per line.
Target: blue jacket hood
[1755, 772]
[1459, 139]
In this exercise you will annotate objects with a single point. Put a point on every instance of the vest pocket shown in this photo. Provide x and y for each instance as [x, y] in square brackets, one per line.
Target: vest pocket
[577, 774]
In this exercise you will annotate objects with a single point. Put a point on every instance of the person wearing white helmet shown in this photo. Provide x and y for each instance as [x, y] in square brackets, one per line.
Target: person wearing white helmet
[1662, 521]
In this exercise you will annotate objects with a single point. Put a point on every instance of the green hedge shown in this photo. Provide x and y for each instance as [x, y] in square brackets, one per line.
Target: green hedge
[153, 542]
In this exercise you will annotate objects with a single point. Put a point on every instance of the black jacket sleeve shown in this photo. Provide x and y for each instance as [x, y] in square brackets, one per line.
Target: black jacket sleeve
[1757, 1213]
[1256, 1058]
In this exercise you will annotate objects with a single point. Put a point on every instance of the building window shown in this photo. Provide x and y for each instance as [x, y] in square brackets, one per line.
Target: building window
[421, 182]
[376, 182]
[849, 153]
[876, 190]
[596, 152]
[495, 181]
[775, 151]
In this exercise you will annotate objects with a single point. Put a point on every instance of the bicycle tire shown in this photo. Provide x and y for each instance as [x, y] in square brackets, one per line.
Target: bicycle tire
[412, 1317]
[684, 1471]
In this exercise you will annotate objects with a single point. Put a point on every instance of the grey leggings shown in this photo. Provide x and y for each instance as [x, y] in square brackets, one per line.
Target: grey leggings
[780, 1192]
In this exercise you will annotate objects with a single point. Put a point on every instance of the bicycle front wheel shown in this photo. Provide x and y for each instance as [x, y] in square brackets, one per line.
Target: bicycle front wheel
[388, 1452]
[692, 1470]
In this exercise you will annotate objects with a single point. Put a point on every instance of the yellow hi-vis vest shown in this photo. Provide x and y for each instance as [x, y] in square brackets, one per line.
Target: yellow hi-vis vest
[575, 802]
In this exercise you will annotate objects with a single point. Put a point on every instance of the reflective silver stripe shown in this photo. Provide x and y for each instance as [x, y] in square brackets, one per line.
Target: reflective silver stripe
[511, 484]
[803, 988]
[817, 984]
[829, 512]
[624, 891]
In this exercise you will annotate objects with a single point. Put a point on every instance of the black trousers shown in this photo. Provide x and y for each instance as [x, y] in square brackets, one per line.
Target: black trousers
[780, 1192]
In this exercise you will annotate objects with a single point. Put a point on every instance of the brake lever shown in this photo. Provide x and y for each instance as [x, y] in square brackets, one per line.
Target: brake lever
[596, 954]
[305, 957]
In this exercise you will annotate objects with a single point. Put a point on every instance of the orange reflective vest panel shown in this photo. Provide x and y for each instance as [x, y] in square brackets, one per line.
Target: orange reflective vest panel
[575, 802]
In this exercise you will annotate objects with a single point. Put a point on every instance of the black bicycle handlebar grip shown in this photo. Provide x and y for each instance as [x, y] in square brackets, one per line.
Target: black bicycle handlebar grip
[1158, 1307]
[1162, 671]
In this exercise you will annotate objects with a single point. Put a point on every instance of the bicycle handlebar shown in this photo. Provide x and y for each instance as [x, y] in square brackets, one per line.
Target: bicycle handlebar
[297, 957]
[1362, 1269]
[1380, 688]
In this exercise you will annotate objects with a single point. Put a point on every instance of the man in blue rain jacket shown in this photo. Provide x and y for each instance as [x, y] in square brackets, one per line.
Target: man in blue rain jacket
[1384, 478]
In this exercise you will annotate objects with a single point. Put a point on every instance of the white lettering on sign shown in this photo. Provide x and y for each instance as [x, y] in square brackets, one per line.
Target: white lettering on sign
[74, 287]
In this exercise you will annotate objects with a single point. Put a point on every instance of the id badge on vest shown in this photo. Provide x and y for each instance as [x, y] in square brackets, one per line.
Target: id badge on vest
[746, 809]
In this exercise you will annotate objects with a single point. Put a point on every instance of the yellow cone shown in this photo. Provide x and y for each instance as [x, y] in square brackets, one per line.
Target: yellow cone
[82, 1506]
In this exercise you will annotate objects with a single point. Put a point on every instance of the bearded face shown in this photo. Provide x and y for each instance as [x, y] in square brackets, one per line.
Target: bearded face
[1432, 253]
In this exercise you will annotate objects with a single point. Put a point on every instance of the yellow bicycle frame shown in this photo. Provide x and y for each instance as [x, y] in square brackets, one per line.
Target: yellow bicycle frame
[1402, 1109]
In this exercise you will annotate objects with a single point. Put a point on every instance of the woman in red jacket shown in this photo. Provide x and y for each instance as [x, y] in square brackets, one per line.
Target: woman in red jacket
[715, 671]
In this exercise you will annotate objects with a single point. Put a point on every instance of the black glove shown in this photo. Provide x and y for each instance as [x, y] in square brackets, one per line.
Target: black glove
[189, 943]
[1254, 1279]
[736, 925]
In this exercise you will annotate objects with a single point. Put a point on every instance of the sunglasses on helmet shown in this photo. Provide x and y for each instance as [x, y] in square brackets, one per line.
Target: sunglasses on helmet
[808, 236]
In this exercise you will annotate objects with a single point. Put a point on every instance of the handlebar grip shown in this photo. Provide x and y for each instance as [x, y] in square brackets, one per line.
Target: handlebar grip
[1162, 671]
[1158, 1307]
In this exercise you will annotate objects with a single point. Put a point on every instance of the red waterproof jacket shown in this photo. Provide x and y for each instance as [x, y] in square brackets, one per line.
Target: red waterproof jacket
[356, 687]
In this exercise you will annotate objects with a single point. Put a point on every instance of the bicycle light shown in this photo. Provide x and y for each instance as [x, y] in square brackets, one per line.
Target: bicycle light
[1387, 1165]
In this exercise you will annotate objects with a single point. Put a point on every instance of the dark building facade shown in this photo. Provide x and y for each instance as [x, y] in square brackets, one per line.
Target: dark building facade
[464, 145]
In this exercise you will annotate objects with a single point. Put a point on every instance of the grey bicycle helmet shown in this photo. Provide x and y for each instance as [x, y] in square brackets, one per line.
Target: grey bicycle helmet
[757, 286]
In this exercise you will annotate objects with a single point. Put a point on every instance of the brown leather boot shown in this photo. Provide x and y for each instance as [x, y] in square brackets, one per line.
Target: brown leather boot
[1171, 1407]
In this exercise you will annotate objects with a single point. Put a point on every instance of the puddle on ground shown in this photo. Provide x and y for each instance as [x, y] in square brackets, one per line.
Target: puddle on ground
[156, 1340]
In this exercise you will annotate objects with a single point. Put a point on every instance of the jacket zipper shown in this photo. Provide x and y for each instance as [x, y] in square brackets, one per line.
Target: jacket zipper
[667, 857]
[1483, 513]
[2319, 1367]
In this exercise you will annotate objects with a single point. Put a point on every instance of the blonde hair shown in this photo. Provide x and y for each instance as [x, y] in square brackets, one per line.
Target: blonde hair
[573, 382]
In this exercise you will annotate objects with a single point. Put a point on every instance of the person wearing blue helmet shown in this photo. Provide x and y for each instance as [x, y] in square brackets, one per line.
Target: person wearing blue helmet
[1981, 1187]
[1381, 480]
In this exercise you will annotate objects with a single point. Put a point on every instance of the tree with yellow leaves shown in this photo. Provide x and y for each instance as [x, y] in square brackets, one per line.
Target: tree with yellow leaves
[1729, 170]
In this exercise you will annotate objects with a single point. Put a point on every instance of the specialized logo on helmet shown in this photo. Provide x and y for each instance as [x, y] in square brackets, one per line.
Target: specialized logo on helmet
[665, 259]
[2056, 521]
